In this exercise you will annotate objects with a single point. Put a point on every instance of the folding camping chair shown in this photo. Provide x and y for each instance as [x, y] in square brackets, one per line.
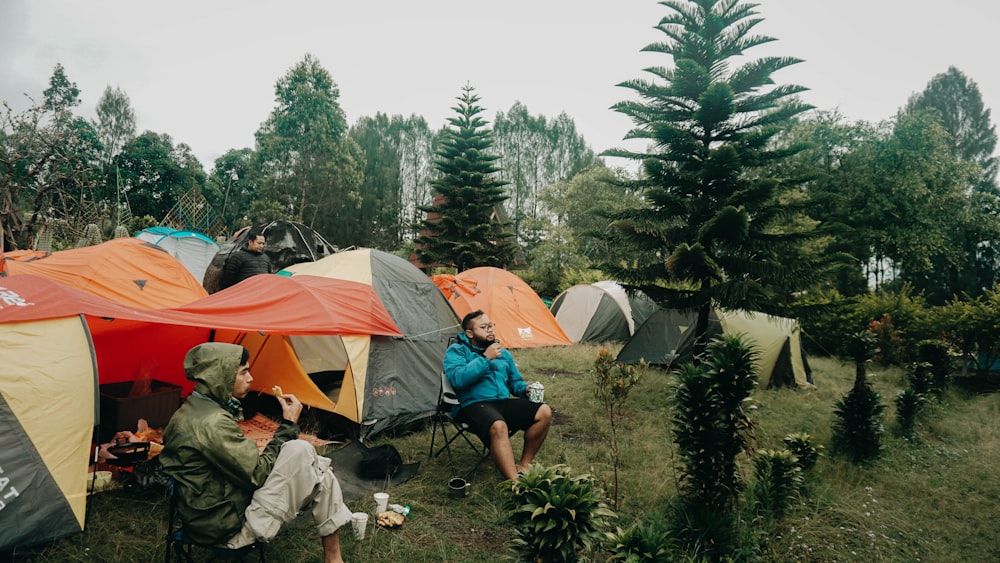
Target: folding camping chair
[443, 420]
[181, 544]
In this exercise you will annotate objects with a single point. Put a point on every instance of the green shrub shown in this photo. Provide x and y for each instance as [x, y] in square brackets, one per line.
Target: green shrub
[777, 481]
[612, 384]
[935, 354]
[909, 403]
[919, 377]
[801, 444]
[710, 424]
[647, 542]
[857, 425]
[556, 515]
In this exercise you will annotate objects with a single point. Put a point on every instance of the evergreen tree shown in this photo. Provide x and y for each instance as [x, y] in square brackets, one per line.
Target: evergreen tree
[715, 227]
[960, 106]
[462, 228]
[956, 101]
[307, 162]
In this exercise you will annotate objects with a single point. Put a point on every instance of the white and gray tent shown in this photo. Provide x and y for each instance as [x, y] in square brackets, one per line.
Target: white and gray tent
[667, 339]
[601, 312]
[192, 249]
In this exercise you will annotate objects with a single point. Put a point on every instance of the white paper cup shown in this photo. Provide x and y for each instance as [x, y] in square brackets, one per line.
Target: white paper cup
[359, 522]
[381, 502]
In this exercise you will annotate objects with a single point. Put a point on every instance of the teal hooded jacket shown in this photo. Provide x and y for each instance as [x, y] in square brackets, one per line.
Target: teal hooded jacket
[477, 379]
[216, 468]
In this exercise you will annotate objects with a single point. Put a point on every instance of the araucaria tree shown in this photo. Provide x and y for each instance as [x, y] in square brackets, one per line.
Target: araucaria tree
[715, 226]
[464, 226]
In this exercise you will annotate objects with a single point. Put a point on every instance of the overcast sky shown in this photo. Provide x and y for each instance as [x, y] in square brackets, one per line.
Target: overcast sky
[204, 71]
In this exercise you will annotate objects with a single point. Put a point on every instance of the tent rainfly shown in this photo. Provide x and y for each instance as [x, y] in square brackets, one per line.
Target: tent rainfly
[393, 380]
[667, 339]
[521, 317]
[127, 270]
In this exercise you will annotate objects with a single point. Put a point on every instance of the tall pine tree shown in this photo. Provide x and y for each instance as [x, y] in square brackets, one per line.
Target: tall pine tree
[464, 226]
[716, 229]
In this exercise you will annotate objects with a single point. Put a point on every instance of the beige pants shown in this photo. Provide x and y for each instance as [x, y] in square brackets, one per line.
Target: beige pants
[300, 480]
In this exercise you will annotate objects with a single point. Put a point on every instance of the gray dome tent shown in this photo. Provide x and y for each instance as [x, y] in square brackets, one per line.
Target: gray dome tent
[601, 312]
[667, 339]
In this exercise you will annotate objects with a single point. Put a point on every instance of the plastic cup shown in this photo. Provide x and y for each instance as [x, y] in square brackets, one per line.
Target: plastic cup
[381, 502]
[359, 522]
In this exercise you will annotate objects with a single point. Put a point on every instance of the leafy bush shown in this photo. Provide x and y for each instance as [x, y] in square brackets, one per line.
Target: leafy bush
[801, 445]
[935, 354]
[612, 384]
[857, 418]
[711, 426]
[777, 481]
[909, 403]
[647, 542]
[556, 515]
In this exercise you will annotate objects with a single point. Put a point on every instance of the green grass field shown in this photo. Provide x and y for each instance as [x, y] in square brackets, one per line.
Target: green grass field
[935, 499]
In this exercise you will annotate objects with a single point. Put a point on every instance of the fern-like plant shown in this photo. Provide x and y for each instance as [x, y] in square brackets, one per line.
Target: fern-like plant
[777, 481]
[909, 403]
[801, 444]
[556, 515]
[857, 425]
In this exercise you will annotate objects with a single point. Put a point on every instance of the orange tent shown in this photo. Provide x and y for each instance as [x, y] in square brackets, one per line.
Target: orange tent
[521, 317]
[127, 270]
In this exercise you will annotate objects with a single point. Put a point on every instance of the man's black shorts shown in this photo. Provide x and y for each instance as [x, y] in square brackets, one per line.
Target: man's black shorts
[519, 413]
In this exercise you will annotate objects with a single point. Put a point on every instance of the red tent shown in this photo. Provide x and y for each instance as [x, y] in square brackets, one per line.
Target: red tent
[132, 343]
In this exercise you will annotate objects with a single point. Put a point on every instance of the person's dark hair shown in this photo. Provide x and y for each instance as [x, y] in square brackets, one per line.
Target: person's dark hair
[245, 357]
[255, 232]
[467, 319]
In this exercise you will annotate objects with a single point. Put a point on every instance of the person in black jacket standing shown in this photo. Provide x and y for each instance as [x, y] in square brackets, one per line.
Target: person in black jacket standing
[246, 262]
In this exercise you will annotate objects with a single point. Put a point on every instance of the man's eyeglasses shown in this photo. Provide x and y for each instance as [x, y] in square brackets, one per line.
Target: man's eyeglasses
[487, 328]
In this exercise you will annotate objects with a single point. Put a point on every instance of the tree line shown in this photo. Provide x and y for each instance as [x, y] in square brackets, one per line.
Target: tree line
[745, 196]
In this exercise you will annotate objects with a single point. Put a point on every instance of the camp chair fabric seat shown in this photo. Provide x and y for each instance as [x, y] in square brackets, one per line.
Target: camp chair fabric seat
[443, 420]
[180, 547]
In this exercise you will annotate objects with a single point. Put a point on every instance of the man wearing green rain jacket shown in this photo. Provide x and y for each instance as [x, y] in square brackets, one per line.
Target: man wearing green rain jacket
[229, 494]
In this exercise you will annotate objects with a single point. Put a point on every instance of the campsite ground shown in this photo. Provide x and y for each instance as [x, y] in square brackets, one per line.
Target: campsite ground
[930, 500]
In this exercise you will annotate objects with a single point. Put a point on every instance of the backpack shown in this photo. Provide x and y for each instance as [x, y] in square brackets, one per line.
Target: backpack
[380, 462]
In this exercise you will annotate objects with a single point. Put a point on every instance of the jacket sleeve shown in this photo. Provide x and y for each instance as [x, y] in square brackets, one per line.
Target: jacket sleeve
[463, 368]
[515, 382]
[231, 270]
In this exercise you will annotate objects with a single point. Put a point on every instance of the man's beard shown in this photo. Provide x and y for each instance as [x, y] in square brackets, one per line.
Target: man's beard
[483, 342]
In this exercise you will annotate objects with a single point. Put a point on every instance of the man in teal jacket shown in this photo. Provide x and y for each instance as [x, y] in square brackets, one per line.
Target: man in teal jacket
[229, 494]
[492, 395]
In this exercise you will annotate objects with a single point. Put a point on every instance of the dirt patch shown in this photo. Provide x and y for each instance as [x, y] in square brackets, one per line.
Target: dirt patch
[577, 438]
[557, 371]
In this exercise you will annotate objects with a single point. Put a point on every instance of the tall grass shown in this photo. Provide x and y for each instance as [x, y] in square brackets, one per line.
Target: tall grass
[935, 499]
